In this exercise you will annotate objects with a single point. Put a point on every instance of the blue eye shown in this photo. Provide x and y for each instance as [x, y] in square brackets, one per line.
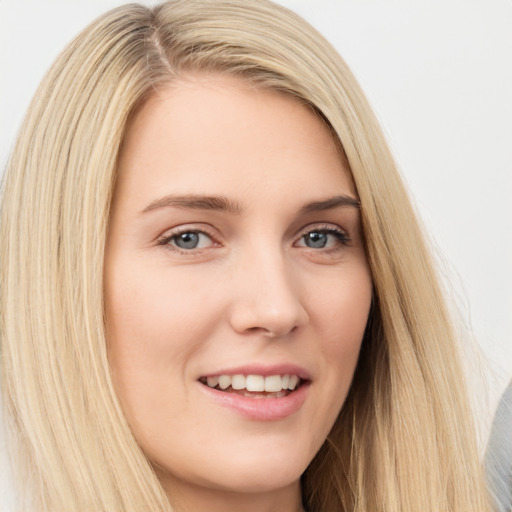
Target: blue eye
[324, 238]
[188, 240]
[316, 239]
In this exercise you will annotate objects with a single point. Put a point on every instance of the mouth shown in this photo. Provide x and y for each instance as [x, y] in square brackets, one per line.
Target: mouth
[259, 393]
[255, 386]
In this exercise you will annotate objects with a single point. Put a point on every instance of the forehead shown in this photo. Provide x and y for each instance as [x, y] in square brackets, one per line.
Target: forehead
[212, 134]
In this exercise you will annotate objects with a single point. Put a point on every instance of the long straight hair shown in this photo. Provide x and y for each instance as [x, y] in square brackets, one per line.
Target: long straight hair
[403, 441]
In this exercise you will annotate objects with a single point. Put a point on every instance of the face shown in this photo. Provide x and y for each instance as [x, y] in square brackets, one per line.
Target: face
[237, 287]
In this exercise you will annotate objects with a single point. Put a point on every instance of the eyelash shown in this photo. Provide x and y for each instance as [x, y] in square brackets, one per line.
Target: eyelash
[166, 240]
[341, 236]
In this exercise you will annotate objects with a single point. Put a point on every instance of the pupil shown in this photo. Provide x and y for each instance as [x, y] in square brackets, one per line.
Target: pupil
[316, 240]
[187, 240]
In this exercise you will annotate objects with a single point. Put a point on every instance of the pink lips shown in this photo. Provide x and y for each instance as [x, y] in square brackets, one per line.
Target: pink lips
[260, 408]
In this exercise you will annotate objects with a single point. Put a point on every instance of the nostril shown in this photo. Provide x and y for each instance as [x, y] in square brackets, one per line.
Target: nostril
[271, 333]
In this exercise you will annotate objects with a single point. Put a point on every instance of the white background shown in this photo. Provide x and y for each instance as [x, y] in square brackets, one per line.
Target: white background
[439, 75]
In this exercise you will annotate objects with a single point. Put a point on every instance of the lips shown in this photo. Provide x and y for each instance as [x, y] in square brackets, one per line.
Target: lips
[260, 393]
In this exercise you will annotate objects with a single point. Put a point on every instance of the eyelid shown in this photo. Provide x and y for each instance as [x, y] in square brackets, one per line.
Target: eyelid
[323, 226]
[199, 227]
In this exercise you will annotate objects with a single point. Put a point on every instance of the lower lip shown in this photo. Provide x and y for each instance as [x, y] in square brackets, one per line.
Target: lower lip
[260, 409]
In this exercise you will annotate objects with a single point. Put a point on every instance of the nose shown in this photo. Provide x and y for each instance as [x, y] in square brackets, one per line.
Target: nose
[268, 300]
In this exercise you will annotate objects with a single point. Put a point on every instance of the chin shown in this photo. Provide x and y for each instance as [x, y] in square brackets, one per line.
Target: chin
[266, 477]
[245, 472]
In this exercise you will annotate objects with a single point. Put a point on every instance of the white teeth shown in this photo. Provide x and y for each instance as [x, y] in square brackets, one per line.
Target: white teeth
[294, 380]
[273, 383]
[255, 383]
[224, 381]
[212, 381]
[238, 381]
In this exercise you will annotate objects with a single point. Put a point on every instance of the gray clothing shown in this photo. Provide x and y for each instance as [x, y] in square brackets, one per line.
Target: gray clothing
[498, 458]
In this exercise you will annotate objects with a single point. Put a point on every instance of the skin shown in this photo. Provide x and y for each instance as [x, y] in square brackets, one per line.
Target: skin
[253, 291]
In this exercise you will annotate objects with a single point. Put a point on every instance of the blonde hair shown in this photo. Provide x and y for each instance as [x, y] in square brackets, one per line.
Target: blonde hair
[404, 438]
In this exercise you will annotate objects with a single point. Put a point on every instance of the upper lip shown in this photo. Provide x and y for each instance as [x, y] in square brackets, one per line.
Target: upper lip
[264, 370]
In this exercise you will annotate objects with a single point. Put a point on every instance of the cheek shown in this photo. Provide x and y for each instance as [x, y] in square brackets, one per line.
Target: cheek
[156, 310]
[340, 316]
[341, 310]
[152, 332]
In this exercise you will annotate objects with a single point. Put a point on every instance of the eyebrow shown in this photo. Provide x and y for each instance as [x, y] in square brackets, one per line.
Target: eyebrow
[196, 202]
[220, 203]
[331, 203]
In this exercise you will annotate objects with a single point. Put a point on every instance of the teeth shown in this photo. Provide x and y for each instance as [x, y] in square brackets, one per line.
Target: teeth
[293, 381]
[224, 381]
[238, 382]
[212, 381]
[273, 383]
[255, 383]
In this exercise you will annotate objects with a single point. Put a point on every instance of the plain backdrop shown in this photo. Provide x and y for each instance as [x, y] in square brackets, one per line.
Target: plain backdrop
[439, 76]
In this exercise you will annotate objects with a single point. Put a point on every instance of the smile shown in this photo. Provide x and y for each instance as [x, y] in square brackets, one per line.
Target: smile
[254, 386]
[259, 392]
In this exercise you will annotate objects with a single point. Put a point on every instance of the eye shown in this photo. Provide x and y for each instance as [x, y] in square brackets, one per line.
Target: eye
[316, 239]
[323, 238]
[188, 240]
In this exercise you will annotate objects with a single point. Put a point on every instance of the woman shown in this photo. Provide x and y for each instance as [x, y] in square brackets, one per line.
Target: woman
[215, 294]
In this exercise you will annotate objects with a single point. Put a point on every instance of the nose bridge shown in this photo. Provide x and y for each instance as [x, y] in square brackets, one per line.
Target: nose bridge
[268, 300]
